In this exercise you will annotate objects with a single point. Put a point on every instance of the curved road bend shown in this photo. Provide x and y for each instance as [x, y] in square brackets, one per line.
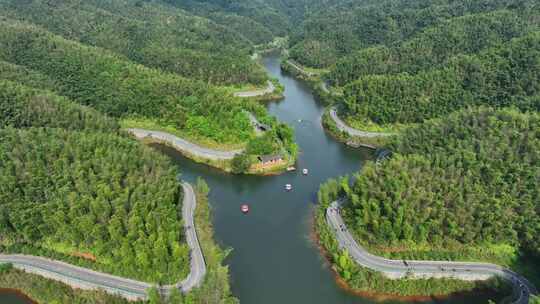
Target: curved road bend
[395, 269]
[300, 69]
[83, 278]
[256, 93]
[184, 145]
[343, 127]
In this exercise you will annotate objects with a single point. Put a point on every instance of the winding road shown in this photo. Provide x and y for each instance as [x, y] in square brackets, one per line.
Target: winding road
[343, 127]
[184, 145]
[396, 269]
[300, 69]
[257, 93]
[83, 278]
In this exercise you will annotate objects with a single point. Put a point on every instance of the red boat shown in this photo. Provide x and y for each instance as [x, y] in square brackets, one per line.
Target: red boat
[244, 208]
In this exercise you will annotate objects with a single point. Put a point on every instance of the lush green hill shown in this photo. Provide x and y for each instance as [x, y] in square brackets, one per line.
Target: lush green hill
[92, 193]
[451, 182]
[464, 187]
[119, 88]
[348, 26]
[23, 107]
[505, 75]
[248, 17]
[153, 34]
[435, 46]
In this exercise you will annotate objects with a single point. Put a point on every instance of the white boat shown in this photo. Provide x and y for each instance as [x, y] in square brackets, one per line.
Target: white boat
[305, 171]
[244, 208]
[288, 187]
[291, 168]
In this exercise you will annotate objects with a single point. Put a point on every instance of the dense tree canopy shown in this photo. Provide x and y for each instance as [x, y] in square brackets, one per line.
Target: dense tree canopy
[156, 35]
[22, 107]
[117, 87]
[470, 178]
[435, 46]
[97, 193]
[347, 26]
[501, 76]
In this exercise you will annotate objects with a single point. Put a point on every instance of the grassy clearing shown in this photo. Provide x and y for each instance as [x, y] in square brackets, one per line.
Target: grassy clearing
[204, 142]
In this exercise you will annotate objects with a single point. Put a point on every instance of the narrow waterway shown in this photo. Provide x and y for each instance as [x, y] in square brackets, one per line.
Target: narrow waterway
[274, 258]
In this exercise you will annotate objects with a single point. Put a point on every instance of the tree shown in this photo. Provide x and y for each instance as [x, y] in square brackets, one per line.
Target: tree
[241, 163]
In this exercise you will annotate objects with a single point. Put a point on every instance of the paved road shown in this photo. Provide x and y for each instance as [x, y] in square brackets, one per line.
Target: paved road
[343, 127]
[423, 269]
[256, 93]
[184, 145]
[83, 278]
[300, 69]
[255, 123]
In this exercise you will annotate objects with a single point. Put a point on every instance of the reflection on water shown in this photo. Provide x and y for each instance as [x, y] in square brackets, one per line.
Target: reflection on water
[13, 297]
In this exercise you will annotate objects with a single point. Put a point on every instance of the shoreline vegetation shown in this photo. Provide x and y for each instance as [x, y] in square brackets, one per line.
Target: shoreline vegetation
[215, 287]
[487, 127]
[329, 97]
[365, 282]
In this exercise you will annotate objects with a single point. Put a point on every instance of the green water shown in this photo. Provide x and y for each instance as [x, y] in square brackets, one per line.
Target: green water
[274, 259]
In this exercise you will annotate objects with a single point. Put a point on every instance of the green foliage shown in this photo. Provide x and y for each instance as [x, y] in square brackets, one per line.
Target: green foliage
[154, 297]
[503, 76]
[20, 74]
[53, 292]
[151, 33]
[241, 163]
[359, 278]
[343, 27]
[78, 192]
[23, 107]
[119, 88]
[256, 20]
[262, 145]
[5, 268]
[451, 183]
[436, 45]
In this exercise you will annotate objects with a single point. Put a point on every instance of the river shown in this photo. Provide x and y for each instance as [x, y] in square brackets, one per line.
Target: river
[275, 259]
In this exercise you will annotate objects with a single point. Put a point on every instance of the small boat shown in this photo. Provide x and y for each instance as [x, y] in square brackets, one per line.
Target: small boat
[288, 187]
[244, 208]
[291, 168]
[305, 171]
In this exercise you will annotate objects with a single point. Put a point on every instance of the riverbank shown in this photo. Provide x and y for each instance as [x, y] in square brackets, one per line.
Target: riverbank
[313, 79]
[34, 289]
[223, 160]
[380, 296]
[365, 282]
[18, 294]
[339, 133]
[272, 92]
[331, 122]
[215, 286]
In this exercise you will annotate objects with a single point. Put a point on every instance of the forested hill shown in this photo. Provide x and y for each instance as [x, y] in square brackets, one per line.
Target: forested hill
[470, 179]
[120, 88]
[93, 194]
[257, 20]
[72, 186]
[156, 35]
[506, 75]
[402, 62]
[24, 107]
[339, 30]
